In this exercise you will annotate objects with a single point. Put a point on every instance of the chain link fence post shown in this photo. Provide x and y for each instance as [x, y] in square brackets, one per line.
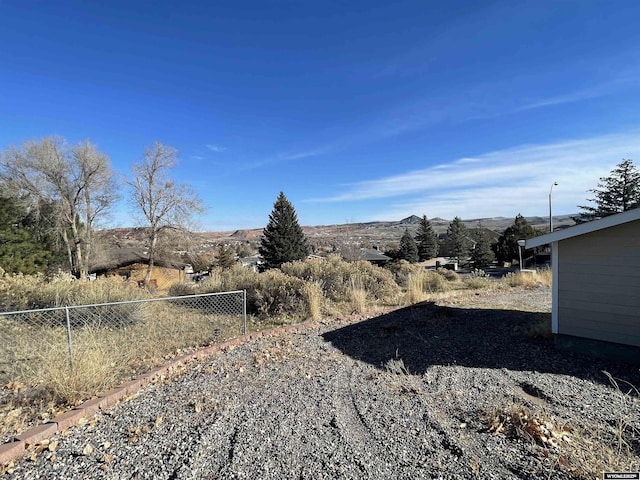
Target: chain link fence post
[66, 311]
[244, 312]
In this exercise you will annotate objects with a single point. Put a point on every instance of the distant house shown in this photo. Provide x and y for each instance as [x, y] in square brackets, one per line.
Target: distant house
[374, 256]
[254, 262]
[132, 265]
[596, 285]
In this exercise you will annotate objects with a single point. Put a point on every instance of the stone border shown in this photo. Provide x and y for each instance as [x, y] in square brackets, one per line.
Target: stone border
[18, 447]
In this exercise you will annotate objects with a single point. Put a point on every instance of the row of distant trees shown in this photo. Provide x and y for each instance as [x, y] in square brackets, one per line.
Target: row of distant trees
[463, 243]
[284, 240]
[54, 196]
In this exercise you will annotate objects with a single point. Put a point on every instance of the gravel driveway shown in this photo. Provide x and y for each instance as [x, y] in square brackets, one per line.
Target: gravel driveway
[416, 393]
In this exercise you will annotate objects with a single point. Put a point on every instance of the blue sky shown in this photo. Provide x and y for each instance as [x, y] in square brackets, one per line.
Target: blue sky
[357, 110]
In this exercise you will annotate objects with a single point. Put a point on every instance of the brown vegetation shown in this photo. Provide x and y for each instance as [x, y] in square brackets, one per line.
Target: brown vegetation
[36, 355]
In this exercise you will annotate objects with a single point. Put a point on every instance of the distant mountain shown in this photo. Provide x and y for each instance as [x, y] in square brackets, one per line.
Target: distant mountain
[412, 220]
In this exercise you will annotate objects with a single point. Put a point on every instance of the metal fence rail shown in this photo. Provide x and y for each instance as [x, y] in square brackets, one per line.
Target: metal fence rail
[128, 334]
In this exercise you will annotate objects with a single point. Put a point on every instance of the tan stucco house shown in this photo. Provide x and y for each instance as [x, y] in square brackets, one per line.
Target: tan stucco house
[132, 265]
[596, 285]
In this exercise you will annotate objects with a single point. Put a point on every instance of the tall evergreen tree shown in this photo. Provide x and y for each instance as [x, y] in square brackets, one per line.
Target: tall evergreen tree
[481, 253]
[506, 249]
[457, 242]
[24, 248]
[408, 249]
[283, 239]
[618, 192]
[427, 240]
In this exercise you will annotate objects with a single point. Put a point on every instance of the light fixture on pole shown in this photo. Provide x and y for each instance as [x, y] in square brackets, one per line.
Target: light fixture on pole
[551, 217]
[520, 245]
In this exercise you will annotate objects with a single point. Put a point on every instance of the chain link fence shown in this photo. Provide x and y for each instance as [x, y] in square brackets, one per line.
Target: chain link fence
[93, 346]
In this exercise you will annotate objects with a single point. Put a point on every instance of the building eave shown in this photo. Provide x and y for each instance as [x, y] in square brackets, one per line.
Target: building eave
[584, 228]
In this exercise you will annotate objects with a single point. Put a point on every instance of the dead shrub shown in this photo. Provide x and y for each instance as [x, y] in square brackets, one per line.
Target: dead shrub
[584, 452]
[449, 275]
[180, 289]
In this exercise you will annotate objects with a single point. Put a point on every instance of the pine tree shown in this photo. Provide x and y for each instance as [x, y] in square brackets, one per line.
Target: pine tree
[618, 192]
[408, 249]
[427, 240]
[283, 239]
[457, 242]
[506, 249]
[481, 253]
[226, 257]
[22, 249]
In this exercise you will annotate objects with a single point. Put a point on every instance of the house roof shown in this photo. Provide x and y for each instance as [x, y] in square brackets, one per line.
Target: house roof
[584, 228]
[253, 260]
[373, 255]
[123, 257]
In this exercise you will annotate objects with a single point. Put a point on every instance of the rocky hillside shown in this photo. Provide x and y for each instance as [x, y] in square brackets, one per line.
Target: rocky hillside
[381, 234]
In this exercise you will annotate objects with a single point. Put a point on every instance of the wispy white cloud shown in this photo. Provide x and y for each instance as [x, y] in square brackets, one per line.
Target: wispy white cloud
[304, 154]
[503, 182]
[278, 158]
[215, 148]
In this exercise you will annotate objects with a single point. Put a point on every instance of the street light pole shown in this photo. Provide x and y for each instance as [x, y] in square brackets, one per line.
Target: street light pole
[521, 243]
[550, 216]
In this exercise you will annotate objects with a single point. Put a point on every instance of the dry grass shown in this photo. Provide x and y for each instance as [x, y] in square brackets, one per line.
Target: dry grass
[357, 295]
[527, 279]
[22, 292]
[585, 451]
[415, 289]
[422, 282]
[105, 354]
[400, 379]
[313, 293]
[36, 355]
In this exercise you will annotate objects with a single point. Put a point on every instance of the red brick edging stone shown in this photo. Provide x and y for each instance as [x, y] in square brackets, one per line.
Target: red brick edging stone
[17, 448]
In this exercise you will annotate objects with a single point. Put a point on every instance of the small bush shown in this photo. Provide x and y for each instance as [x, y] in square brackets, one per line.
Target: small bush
[422, 282]
[26, 292]
[180, 289]
[433, 282]
[234, 278]
[281, 295]
[449, 275]
[401, 271]
[478, 279]
[334, 276]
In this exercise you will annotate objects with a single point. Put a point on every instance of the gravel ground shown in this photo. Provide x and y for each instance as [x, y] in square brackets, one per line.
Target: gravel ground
[420, 392]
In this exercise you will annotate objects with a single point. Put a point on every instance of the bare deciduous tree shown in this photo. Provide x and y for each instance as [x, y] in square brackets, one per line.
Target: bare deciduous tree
[162, 204]
[348, 245]
[77, 181]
